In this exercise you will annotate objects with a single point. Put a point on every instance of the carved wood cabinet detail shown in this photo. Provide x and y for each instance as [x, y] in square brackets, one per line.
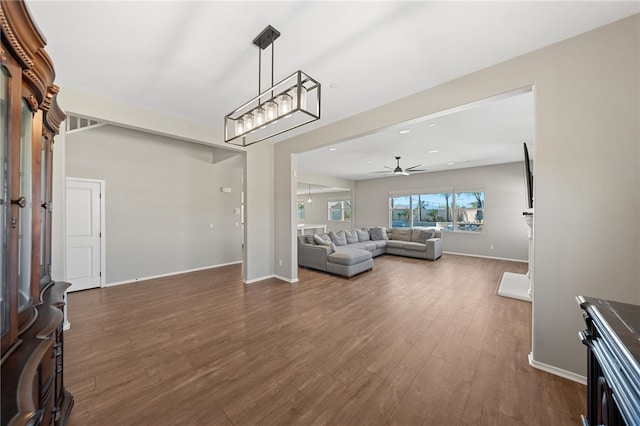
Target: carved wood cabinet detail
[31, 316]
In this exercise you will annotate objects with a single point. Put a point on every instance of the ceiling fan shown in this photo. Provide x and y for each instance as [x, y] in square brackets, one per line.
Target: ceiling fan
[399, 171]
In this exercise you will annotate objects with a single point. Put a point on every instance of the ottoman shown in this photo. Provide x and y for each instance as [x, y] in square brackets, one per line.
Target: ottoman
[348, 261]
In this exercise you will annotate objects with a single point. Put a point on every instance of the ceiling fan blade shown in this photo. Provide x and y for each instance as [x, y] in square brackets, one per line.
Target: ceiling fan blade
[382, 171]
[404, 173]
[390, 168]
[413, 167]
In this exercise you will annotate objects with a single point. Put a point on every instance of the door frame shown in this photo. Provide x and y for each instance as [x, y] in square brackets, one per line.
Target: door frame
[103, 233]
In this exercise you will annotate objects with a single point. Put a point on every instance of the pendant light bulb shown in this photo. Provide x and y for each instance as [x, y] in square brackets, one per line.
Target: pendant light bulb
[309, 200]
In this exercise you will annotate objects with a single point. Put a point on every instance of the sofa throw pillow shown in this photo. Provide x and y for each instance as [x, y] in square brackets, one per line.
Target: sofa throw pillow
[352, 237]
[421, 235]
[308, 239]
[363, 234]
[401, 234]
[332, 248]
[318, 240]
[378, 234]
[338, 238]
[326, 238]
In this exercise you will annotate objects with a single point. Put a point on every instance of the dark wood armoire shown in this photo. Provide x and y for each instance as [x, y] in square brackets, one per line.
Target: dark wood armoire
[31, 367]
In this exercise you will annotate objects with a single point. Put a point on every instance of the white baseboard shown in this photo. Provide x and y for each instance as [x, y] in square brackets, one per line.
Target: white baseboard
[288, 280]
[255, 280]
[557, 371]
[486, 257]
[169, 274]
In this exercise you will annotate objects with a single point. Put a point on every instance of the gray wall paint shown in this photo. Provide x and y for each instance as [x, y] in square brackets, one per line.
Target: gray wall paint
[504, 204]
[259, 213]
[258, 258]
[318, 212]
[587, 103]
[162, 194]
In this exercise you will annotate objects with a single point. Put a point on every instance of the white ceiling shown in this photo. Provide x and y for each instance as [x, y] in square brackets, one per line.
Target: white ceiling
[490, 132]
[196, 60]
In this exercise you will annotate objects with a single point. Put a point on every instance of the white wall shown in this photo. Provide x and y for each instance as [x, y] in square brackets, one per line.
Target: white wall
[504, 203]
[586, 94]
[162, 197]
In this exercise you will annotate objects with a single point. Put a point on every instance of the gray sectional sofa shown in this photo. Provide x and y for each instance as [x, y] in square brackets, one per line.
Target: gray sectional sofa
[348, 253]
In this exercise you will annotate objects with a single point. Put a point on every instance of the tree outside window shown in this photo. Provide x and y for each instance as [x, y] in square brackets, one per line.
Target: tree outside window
[470, 211]
[339, 211]
[401, 211]
[449, 211]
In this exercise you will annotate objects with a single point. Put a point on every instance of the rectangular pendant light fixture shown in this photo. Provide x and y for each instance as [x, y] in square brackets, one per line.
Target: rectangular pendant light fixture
[291, 103]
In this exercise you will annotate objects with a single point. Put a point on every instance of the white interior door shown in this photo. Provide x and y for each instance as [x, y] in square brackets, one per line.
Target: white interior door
[83, 225]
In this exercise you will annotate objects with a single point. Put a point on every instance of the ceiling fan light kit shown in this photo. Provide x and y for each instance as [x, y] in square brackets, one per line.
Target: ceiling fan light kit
[402, 172]
[291, 103]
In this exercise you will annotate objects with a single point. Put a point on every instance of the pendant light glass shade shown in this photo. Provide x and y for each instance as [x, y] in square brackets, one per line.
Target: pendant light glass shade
[272, 110]
[248, 122]
[258, 113]
[286, 102]
[240, 125]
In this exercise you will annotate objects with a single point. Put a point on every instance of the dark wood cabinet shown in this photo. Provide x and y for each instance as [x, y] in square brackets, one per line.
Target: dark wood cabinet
[612, 337]
[31, 367]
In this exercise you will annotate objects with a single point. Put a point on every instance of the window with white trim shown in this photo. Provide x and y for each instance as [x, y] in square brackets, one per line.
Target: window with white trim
[339, 211]
[449, 211]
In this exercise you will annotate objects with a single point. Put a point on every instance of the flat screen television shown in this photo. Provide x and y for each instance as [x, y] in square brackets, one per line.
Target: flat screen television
[528, 177]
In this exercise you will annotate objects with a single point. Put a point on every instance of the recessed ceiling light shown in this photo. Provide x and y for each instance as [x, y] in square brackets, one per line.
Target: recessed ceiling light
[369, 162]
[450, 164]
[431, 125]
[332, 149]
[433, 151]
[405, 131]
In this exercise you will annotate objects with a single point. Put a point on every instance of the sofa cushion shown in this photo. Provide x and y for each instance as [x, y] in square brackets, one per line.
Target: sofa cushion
[326, 238]
[308, 239]
[378, 234]
[318, 240]
[349, 257]
[421, 235]
[401, 234]
[339, 238]
[363, 235]
[414, 246]
[367, 245]
[352, 237]
[395, 244]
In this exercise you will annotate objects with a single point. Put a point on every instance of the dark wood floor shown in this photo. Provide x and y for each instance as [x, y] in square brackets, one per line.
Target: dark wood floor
[412, 342]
